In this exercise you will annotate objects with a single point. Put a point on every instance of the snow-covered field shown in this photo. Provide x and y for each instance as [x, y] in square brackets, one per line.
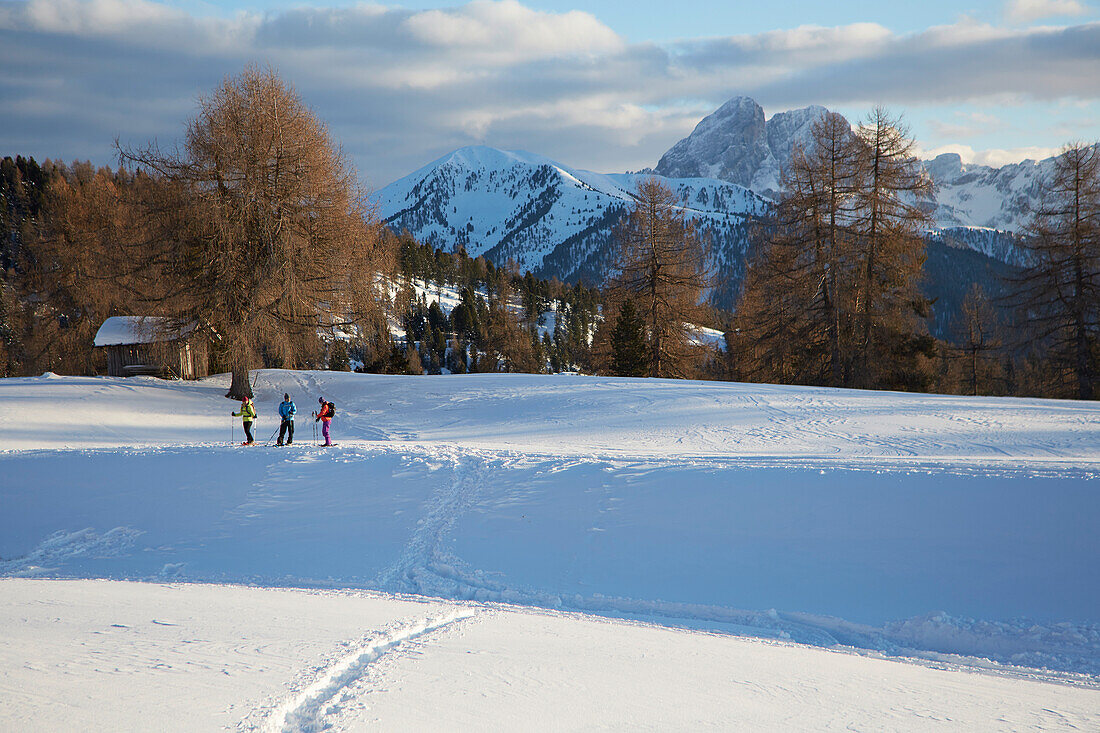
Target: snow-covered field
[540, 551]
[105, 655]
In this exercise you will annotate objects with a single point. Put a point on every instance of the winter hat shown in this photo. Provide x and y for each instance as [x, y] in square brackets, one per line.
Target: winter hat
[286, 395]
[321, 400]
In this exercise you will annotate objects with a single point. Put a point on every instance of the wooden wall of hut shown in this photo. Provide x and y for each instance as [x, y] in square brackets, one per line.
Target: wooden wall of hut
[173, 359]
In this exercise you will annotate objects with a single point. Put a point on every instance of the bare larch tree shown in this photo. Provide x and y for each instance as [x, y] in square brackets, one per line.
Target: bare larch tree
[265, 235]
[890, 243]
[797, 301]
[661, 267]
[1058, 292]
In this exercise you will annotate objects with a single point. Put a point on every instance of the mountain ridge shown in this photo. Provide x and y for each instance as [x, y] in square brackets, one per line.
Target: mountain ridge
[558, 221]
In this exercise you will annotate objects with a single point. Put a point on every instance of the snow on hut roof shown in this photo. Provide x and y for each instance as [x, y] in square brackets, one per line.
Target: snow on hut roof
[118, 330]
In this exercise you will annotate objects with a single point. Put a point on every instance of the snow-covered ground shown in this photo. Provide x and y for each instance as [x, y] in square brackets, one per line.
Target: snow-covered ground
[106, 655]
[952, 532]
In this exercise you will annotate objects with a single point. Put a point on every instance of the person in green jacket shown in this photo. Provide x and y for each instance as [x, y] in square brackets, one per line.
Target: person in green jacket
[247, 415]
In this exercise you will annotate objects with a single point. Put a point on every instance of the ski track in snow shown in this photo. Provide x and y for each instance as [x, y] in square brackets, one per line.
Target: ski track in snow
[416, 571]
[63, 545]
[427, 568]
[311, 708]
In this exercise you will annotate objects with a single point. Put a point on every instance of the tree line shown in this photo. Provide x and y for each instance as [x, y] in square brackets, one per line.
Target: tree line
[254, 229]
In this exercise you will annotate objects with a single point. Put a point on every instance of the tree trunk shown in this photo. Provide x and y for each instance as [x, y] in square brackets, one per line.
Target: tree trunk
[240, 387]
[1084, 373]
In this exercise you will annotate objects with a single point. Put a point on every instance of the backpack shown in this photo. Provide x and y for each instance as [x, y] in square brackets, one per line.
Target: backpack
[331, 409]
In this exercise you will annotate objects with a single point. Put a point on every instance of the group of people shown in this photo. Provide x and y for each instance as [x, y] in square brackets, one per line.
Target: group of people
[287, 411]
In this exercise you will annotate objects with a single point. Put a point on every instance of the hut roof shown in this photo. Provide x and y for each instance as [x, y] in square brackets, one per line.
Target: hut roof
[119, 330]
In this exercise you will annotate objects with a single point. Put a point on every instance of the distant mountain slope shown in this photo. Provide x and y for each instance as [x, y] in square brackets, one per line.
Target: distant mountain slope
[549, 218]
[978, 195]
[955, 260]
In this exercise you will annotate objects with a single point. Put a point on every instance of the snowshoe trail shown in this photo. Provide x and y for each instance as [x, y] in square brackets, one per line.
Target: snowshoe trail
[312, 707]
[414, 571]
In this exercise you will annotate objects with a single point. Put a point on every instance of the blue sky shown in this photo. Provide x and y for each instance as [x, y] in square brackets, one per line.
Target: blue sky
[662, 20]
[602, 85]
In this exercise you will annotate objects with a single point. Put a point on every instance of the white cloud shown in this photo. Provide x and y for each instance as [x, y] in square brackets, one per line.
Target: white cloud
[1026, 11]
[400, 87]
[98, 16]
[509, 31]
[994, 157]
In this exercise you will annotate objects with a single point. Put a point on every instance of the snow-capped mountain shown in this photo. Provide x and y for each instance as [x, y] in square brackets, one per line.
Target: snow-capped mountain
[558, 221]
[735, 143]
[547, 217]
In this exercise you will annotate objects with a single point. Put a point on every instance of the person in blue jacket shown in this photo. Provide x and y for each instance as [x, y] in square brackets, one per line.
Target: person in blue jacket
[286, 411]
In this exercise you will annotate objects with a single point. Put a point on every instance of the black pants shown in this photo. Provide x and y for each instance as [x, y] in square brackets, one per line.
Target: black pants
[248, 430]
[286, 426]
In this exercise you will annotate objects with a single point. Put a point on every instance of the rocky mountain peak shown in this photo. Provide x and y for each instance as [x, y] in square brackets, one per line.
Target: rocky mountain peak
[785, 129]
[945, 167]
[730, 144]
[735, 143]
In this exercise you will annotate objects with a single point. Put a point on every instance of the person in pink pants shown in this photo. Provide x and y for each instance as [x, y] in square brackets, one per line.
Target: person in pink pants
[325, 416]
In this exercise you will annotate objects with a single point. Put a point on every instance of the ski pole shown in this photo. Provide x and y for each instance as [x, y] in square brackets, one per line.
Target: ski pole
[273, 435]
[232, 430]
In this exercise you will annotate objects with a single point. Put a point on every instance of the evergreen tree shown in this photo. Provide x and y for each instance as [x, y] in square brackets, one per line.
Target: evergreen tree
[436, 318]
[628, 344]
[417, 323]
[338, 358]
[553, 360]
[464, 317]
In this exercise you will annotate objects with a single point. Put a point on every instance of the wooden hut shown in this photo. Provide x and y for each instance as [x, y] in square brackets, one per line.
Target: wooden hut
[143, 345]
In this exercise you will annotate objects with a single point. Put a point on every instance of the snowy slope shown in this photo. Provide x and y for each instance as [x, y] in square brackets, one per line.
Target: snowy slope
[549, 218]
[101, 655]
[977, 195]
[567, 416]
[899, 522]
